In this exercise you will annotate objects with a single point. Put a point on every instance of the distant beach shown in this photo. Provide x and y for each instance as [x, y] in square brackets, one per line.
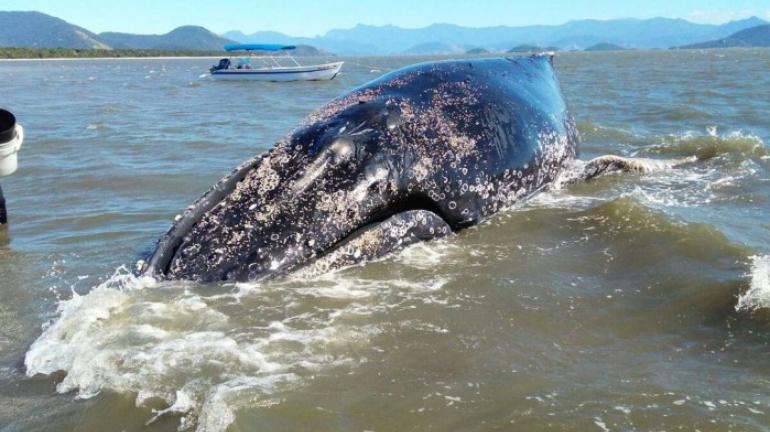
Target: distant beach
[112, 58]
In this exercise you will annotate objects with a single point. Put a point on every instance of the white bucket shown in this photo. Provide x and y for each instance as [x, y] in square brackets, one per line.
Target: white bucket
[9, 153]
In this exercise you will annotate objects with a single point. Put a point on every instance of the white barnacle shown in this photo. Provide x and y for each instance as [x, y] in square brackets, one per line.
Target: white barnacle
[342, 149]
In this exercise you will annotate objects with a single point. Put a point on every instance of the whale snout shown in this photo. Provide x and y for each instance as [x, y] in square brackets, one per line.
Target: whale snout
[292, 207]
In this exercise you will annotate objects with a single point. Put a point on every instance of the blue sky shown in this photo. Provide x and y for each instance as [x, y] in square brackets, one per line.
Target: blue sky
[313, 17]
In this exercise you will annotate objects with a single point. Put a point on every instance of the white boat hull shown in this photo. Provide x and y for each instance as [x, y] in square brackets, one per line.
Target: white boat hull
[300, 73]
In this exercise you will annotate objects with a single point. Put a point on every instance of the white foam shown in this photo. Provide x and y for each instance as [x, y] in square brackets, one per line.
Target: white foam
[427, 254]
[758, 295]
[170, 344]
[207, 357]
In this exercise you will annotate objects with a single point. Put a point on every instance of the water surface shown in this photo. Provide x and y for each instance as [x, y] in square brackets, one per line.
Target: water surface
[633, 302]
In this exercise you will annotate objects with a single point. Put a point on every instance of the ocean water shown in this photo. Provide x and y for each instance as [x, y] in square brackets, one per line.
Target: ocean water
[633, 302]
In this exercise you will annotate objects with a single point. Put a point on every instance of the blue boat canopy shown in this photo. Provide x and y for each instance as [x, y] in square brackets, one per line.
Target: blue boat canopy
[258, 47]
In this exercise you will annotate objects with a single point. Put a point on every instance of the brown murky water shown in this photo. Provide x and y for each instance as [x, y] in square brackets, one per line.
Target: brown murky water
[635, 302]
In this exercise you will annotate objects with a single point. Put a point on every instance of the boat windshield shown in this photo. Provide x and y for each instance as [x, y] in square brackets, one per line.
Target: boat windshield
[260, 60]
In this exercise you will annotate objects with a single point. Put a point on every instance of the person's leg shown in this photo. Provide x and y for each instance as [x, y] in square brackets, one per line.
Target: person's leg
[3, 214]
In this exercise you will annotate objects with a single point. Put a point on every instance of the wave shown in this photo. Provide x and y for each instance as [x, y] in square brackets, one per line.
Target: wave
[758, 295]
[206, 355]
[682, 171]
[165, 343]
[629, 218]
[734, 145]
[590, 131]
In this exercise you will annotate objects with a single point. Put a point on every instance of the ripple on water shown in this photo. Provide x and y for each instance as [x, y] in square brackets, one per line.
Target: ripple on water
[758, 295]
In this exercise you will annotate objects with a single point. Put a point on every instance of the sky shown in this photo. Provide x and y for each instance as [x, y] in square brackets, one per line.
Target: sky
[315, 17]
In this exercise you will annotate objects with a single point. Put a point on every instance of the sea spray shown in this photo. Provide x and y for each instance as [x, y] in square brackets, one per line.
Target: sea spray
[758, 294]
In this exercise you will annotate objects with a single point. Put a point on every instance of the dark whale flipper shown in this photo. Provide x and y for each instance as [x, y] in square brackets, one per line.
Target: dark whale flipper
[378, 240]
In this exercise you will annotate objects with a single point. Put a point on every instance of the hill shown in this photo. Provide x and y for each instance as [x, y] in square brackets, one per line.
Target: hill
[525, 48]
[186, 37]
[604, 46]
[38, 30]
[477, 51]
[758, 36]
[42, 36]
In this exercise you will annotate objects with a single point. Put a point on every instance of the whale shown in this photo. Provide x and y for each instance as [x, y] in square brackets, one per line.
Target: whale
[415, 155]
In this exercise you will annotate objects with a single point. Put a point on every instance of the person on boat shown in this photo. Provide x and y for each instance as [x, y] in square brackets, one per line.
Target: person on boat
[223, 65]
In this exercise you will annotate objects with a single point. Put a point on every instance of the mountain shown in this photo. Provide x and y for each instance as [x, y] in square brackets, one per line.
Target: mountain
[736, 26]
[37, 30]
[627, 32]
[477, 51]
[262, 36]
[525, 48]
[434, 48]
[758, 36]
[349, 47]
[186, 37]
[307, 50]
[604, 46]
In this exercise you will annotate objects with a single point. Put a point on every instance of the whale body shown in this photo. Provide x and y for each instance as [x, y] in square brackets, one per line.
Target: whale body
[417, 154]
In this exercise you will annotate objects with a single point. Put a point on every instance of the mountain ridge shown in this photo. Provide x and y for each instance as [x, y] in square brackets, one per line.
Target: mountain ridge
[30, 29]
[576, 34]
[37, 30]
[758, 36]
[184, 37]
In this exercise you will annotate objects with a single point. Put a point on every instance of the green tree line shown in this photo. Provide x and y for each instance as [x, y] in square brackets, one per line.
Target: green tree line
[42, 53]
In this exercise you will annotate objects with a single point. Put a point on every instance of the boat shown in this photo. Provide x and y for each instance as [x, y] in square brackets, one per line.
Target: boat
[270, 67]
